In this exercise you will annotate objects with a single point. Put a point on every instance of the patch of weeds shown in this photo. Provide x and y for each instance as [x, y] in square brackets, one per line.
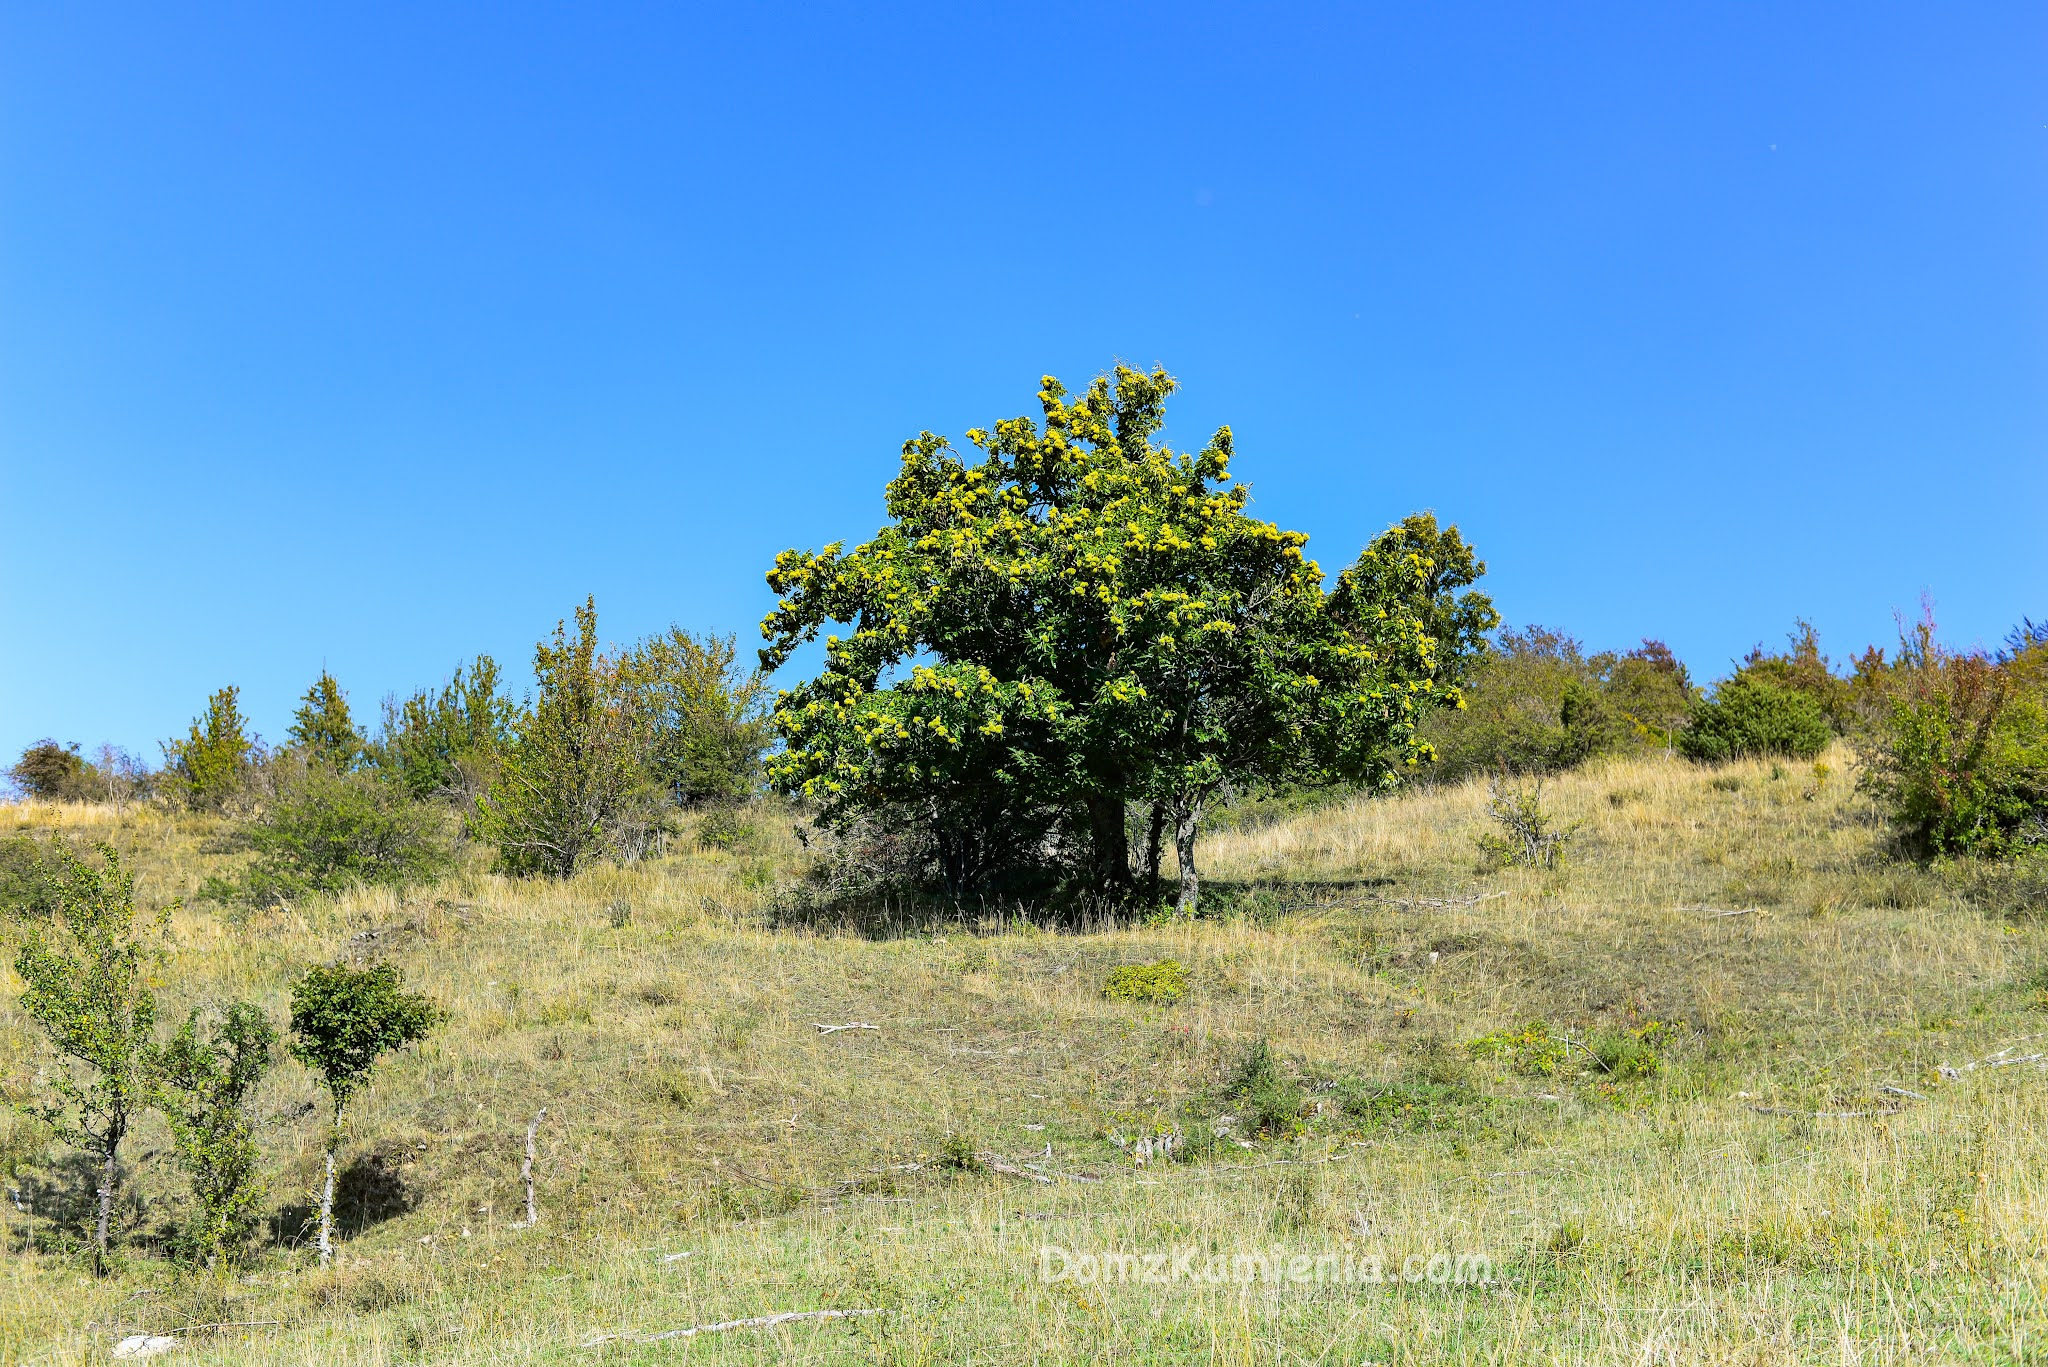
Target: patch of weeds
[619, 912]
[1416, 1106]
[1726, 783]
[956, 1151]
[2014, 888]
[1162, 983]
[722, 829]
[1567, 1239]
[975, 958]
[1631, 1053]
[1272, 1101]
[672, 1085]
[1621, 797]
[731, 1030]
[1530, 1050]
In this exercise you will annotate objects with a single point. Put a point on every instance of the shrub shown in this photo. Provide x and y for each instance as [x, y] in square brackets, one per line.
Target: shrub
[1271, 1100]
[28, 878]
[211, 764]
[703, 719]
[201, 1084]
[330, 831]
[447, 744]
[1531, 1050]
[86, 981]
[1748, 716]
[569, 787]
[1529, 833]
[1958, 758]
[1163, 982]
[55, 772]
[322, 727]
[1536, 702]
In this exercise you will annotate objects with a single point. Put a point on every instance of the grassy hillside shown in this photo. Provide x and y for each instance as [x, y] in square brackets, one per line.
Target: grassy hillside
[1686, 1095]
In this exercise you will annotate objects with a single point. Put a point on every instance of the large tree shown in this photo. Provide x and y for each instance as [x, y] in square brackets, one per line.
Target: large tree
[1079, 619]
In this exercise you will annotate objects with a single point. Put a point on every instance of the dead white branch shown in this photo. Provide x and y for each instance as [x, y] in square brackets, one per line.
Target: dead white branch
[757, 1322]
[850, 1025]
[526, 1172]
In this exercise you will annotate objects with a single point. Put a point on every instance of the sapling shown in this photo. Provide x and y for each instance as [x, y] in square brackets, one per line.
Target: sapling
[343, 1020]
[200, 1082]
[85, 972]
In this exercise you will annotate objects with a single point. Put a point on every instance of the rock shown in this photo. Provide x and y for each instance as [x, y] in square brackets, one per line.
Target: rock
[144, 1346]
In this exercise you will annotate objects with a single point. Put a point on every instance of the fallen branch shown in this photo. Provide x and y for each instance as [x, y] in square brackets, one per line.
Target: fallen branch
[757, 1322]
[1903, 1091]
[230, 1324]
[995, 1164]
[1826, 1115]
[526, 1172]
[850, 1025]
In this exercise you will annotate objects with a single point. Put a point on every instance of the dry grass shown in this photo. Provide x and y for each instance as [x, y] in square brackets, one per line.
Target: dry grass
[693, 1105]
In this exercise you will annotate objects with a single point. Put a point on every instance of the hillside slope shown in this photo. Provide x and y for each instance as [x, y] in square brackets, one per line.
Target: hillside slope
[1685, 1096]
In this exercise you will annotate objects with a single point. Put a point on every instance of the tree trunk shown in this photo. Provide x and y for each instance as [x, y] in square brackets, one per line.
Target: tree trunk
[327, 1214]
[1155, 849]
[1109, 845]
[99, 1231]
[1187, 824]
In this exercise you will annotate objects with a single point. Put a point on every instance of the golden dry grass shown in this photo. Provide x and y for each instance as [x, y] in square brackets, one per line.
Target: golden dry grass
[1717, 1210]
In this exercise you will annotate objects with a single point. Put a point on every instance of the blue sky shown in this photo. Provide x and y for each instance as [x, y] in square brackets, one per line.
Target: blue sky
[378, 337]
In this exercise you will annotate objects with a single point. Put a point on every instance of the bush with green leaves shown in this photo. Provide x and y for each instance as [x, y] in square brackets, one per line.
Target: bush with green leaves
[1161, 983]
[570, 786]
[447, 743]
[327, 831]
[1271, 1100]
[28, 878]
[200, 1081]
[343, 1020]
[1536, 702]
[57, 773]
[1528, 832]
[210, 767]
[703, 720]
[323, 730]
[1958, 756]
[86, 974]
[1749, 716]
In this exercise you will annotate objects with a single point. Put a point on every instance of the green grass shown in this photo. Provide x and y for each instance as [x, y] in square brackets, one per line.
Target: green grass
[1674, 1142]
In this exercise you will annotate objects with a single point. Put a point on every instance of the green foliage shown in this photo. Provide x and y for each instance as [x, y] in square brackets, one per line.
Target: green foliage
[1958, 758]
[1081, 620]
[1415, 1105]
[28, 878]
[1163, 982]
[703, 720]
[211, 764]
[1804, 669]
[1529, 832]
[344, 1019]
[56, 773]
[1749, 715]
[200, 1082]
[1532, 1050]
[1535, 702]
[441, 744]
[85, 976]
[323, 729]
[1271, 1100]
[1631, 1053]
[329, 830]
[570, 785]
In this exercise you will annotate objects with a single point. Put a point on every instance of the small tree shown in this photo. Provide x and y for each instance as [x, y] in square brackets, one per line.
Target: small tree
[201, 1084]
[572, 773]
[702, 718]
[328, 831]
[323, 728]
[213, 759]
[447, 743]
[56, 772]
[85, 972]
[343, 1020]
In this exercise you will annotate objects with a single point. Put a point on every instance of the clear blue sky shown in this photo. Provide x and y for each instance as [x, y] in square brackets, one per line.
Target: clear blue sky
[376, 337]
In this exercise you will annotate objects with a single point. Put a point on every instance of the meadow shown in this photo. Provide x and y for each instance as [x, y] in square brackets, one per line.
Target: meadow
[1729, 1085]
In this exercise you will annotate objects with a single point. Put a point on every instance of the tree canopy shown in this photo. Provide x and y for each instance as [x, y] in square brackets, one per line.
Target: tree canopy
[1083, 618]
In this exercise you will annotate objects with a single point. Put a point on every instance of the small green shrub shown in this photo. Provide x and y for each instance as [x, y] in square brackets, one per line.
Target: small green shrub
[1163, 982]
[28, 878]
[1532, 1050]
[1529, 832]
[1413, 1105]
[722, 828]
[1272, 1101]
[1630, 1053]
[1750, 715]
[329, 831]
